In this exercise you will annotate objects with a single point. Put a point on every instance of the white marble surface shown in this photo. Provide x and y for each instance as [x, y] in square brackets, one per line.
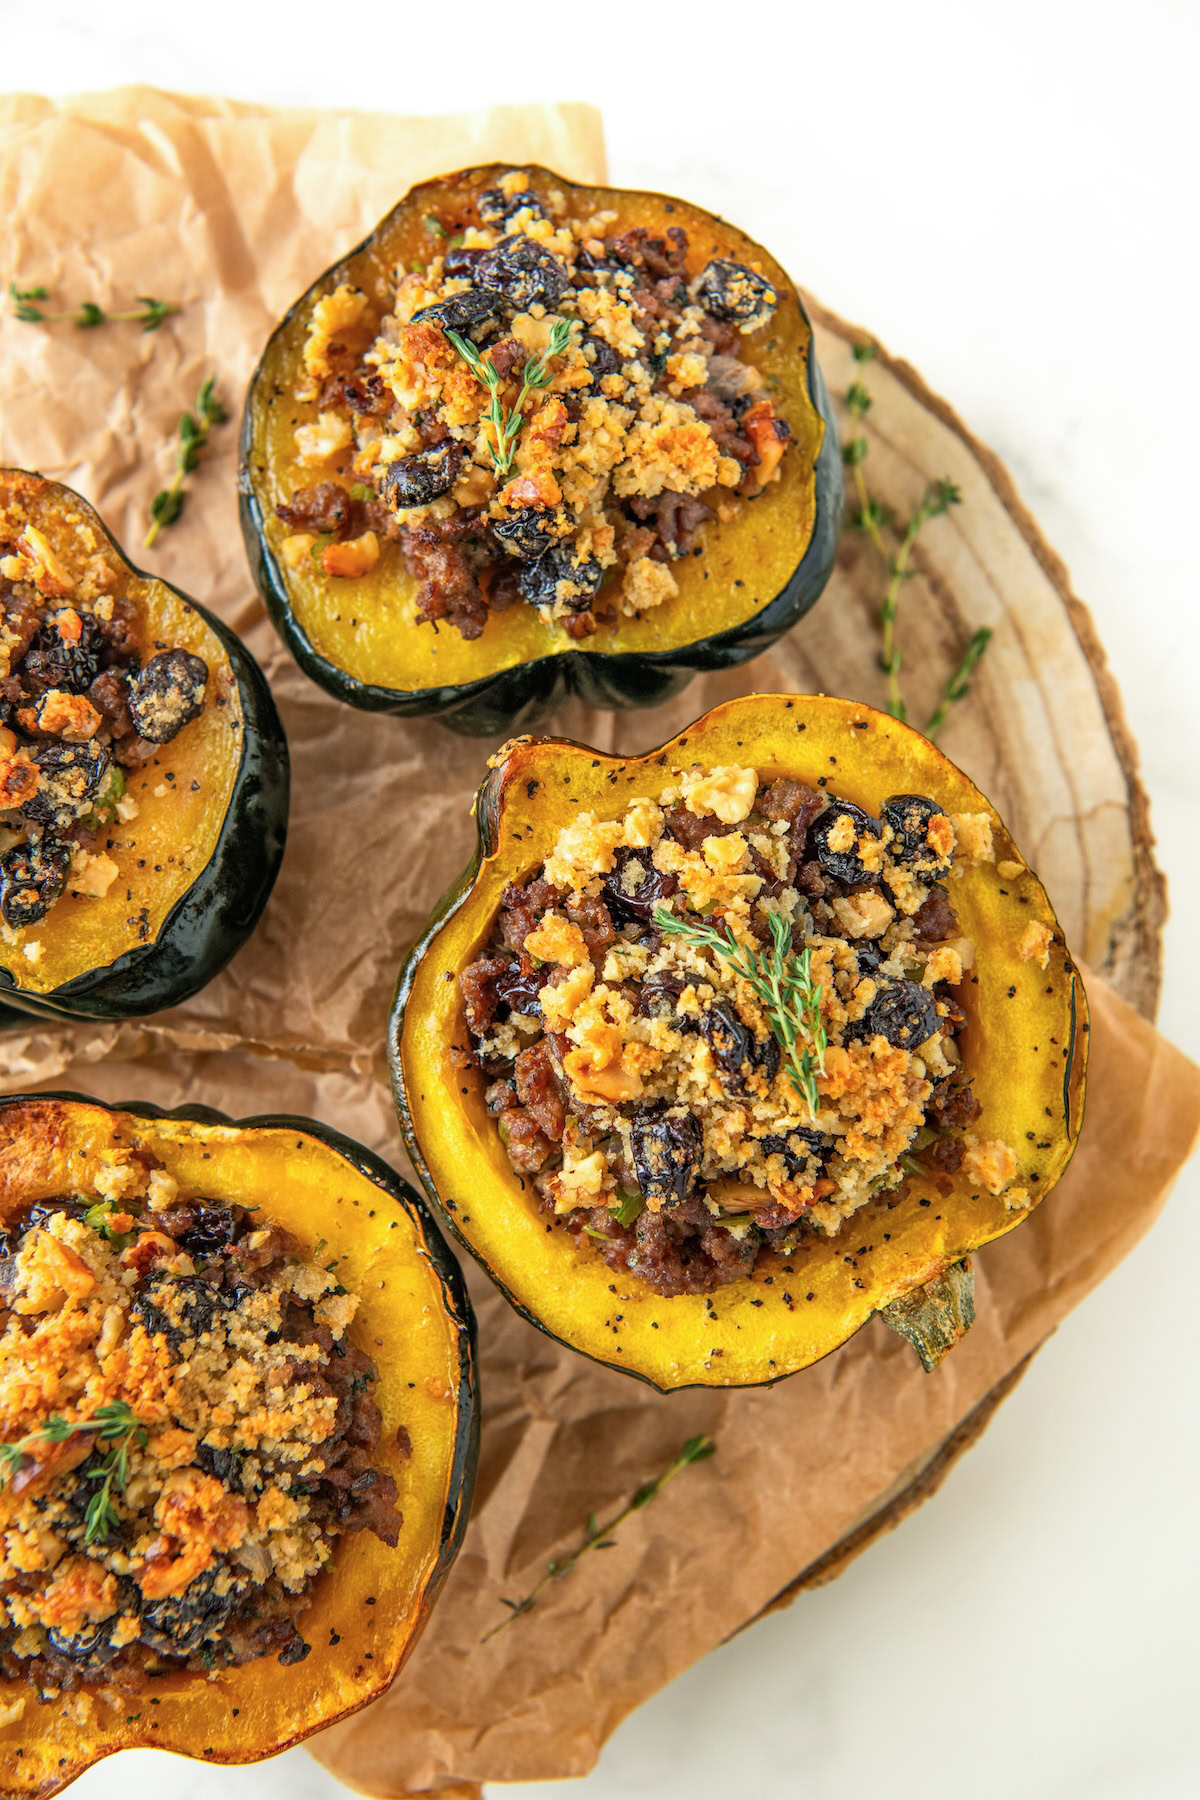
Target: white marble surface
[1006, 195]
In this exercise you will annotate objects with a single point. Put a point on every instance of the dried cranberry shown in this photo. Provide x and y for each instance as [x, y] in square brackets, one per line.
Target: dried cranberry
[844, 865]
[667, 1146]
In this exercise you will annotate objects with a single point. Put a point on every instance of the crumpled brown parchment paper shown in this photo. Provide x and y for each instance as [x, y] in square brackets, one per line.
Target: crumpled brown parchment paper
[231, 210]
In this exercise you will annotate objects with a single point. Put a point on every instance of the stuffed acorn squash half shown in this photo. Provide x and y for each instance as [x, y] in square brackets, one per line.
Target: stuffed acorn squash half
[143, 772]
[239, 1432]
[533, 438]
[716, 1051]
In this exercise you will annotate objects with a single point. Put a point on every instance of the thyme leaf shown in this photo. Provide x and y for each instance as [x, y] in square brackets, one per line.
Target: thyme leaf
[958, 685]
[874, 518]
[506, 425]
[115, 1424]
[782, 981]
[194, 428]
[149, 313]
[600, 1537]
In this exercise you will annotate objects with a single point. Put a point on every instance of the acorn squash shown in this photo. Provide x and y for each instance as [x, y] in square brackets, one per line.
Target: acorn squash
[1024, 1043]
[369, 1606]
[196, 863]
[757, 573]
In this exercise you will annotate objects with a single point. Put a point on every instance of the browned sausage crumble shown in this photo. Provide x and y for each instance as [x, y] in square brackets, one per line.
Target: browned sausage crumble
[82, 699]
[642, 1083]
[187, 1431]
[550, 413]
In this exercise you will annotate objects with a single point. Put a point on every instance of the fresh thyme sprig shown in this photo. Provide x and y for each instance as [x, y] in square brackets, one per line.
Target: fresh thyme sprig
[600, 1537]
[782, 980]
[116, 1424]
[167, 504]
[148, 313]
[958, 685]
[506, 427]
[874, 518]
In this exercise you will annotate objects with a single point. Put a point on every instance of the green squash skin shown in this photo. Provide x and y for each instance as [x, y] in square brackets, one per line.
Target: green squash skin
[488, 803]
[212, 921]
[514, 699]
[450, 1278]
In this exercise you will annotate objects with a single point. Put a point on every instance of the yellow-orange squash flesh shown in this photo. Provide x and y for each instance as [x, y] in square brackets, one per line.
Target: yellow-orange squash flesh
[368, 1606]
[183, 793]
[368, 627]
[1024, 1044]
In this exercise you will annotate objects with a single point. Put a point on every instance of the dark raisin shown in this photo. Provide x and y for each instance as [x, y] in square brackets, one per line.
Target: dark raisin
[53, 662]
[32, 876]
[636, 906]
[495, 206]
[208, 1231]
[903, 1012]
[91, 1645]
[869, 956]
[658, 997]
[666, 1153]
[153, 1320]
[525, 273]
[417, 479]
[735, 1047]
[367, 394]
[518, 988]
[179, 1624]
[909, 816]
[799, 1147]
[528, 532]
[730, 291]
[293, 1652]
[167, 694]
[196, 1305]
[588, 265]
[540, 580]
[44, 1211]
[602, 357]
[69, 778]
[460, 264]
[460, 311]
[844, 865]
[224, 1466]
